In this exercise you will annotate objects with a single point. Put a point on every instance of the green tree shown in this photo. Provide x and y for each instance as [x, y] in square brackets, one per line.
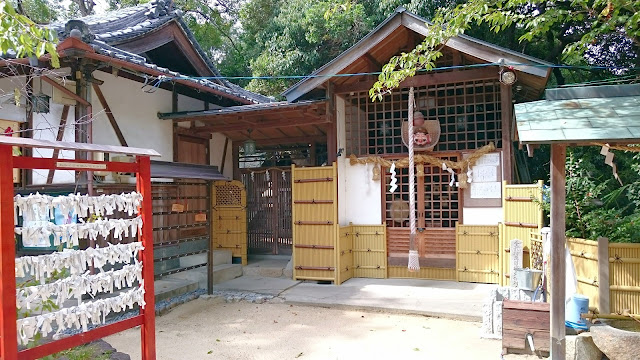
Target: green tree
[581, 31]
[21, 36]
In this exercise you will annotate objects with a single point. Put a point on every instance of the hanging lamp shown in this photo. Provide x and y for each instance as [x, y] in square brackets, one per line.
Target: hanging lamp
[249, 145]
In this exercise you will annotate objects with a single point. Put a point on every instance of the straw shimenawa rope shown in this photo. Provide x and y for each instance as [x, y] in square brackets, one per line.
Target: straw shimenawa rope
[426, 159]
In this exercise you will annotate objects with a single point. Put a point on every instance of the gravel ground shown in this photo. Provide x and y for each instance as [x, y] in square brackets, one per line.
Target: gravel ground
[212, 328]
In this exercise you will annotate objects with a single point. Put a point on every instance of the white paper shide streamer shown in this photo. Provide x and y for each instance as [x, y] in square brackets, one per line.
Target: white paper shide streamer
[39, 209]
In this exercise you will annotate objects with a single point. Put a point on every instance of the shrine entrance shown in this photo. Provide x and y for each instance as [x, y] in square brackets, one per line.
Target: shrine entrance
[438, 209]
[268, 210]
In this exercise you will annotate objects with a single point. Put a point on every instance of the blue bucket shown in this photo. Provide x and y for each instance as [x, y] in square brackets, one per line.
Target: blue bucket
[579, 304]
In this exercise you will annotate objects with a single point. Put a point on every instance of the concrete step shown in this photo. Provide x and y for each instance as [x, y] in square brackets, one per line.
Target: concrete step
[167, 288]
[268, 267]
[221, 257]
[221, 273]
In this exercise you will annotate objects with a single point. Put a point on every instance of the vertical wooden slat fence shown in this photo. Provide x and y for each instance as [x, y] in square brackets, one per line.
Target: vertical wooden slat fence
[478, 253]
[624, 277]
[345, 255]
[229, 223]
[585, 260]
[522, 206]
[369, 250]
[624, 273]
[315, 222]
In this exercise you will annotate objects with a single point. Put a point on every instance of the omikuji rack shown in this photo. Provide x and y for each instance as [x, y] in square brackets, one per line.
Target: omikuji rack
[8, 313]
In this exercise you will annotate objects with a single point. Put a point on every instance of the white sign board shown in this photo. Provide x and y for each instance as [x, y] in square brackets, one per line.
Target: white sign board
[491, 159]
[483, 174]
[488, 190]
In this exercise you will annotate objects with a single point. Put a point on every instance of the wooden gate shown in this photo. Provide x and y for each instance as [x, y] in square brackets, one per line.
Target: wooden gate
[522, 205]
[268, 211]
[477, 253]
[315, 222]
[229, 225]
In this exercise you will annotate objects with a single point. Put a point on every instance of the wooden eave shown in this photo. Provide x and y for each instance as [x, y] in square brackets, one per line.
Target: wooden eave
[170, 32]
[400, 33]
[267, 124]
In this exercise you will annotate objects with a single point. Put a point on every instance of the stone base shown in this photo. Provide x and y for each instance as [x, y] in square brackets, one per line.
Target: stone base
[492, 309]
[582, 347]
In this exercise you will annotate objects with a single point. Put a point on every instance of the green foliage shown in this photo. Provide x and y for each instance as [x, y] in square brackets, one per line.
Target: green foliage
[596, 204]
[20, 34]
[582, 27]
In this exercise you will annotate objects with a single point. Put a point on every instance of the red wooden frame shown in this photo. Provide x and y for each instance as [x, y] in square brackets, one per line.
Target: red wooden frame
[8, 316]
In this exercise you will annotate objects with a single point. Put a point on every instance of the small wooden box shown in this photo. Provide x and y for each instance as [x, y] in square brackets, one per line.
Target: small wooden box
[520, 318]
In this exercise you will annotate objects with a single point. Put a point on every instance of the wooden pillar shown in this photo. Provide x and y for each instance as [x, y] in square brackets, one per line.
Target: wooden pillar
[603, 276]
[275, 210]
[507, 117]
[558, 241]
[332, 128]
[148, 329]
[8, 330]
[235, 154]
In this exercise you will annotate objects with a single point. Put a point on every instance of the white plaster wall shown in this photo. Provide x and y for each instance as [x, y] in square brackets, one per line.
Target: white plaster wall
[136, 113]
[482, 216]
[359, 199]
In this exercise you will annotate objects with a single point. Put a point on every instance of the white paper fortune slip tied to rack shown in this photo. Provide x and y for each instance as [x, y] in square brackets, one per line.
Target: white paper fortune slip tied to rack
[78, 317]
[36, 206]
[77, 285]
[71, 233]
[77, 261]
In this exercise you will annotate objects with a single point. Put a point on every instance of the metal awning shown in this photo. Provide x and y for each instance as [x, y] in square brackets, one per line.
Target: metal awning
[165, 169]
[608, 113]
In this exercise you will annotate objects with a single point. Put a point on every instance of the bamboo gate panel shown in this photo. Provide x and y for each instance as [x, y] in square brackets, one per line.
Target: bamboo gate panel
[345, 255]
[584, 254]
[624, 277]
[229, 225]
[624, 273]
[315, 222]
[522, 214]
[478, 253]
[369, 250]
[398, 248]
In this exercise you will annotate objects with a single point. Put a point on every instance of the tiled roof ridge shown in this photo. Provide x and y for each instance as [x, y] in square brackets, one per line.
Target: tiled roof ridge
[105, 32]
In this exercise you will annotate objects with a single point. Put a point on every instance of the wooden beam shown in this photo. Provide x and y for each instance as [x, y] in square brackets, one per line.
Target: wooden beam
[59, 137]
[558, 241]
[109, 114]
[258, 125]
[507, 117]
[372, 63]
[604, 306]
[427, 79]
[66, 91]
[291, 140]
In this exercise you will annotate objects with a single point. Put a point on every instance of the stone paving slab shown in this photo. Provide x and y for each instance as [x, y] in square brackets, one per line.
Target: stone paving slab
[447, 299]
[257, 284]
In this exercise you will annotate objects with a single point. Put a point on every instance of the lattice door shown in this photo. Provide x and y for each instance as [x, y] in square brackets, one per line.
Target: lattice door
[269, 211]
[229, 220]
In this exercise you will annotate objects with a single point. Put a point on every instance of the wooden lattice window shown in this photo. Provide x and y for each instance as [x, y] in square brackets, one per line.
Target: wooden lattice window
[441, 201]
[469, 114]
[437, 203]
[228, 194]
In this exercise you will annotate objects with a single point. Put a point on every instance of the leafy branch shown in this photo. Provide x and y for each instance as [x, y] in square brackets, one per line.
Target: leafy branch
[21, 35]
[586, 22]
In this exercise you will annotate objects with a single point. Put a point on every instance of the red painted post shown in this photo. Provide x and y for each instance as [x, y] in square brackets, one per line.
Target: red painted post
[148, 330]
[8, 330]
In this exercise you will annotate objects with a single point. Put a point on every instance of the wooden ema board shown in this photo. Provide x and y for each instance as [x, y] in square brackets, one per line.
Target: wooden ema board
[367, 253]
[520, 318]
[477, 254]
[315, 223]
[229, 219]
[522, 214]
